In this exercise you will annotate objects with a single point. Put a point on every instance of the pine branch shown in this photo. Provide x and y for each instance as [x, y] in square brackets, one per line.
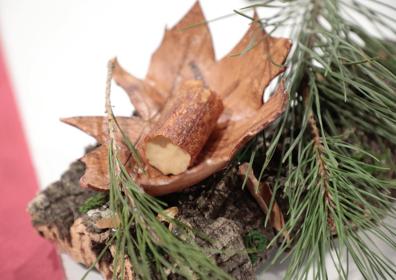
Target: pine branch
[334, 187]
[320, 150]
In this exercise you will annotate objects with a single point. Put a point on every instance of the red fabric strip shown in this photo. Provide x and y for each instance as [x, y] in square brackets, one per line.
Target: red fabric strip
[23, 253]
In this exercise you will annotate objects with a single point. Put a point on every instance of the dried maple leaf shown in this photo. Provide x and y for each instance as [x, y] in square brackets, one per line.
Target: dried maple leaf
[187, 54]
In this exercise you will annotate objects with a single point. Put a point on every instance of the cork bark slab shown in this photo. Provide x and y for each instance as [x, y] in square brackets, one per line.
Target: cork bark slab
[221, 210]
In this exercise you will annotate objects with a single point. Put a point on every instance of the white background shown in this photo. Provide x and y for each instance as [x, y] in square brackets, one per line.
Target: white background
[57, 53]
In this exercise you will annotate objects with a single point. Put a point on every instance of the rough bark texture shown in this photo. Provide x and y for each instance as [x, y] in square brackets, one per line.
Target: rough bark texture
[218, 209]
[56, 216]
[226, 214]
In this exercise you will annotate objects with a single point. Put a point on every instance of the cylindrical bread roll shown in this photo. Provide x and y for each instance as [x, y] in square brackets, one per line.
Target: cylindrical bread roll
[183, 128]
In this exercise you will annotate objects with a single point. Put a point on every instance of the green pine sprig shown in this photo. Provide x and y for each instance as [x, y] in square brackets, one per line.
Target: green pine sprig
[341, 83]
[154, 251]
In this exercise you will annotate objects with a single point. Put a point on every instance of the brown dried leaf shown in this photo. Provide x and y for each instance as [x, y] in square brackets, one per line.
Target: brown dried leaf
[146, 99]
[181, 50]
[97, 169]
[262, 194]
[241, 79]
[184, 54]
